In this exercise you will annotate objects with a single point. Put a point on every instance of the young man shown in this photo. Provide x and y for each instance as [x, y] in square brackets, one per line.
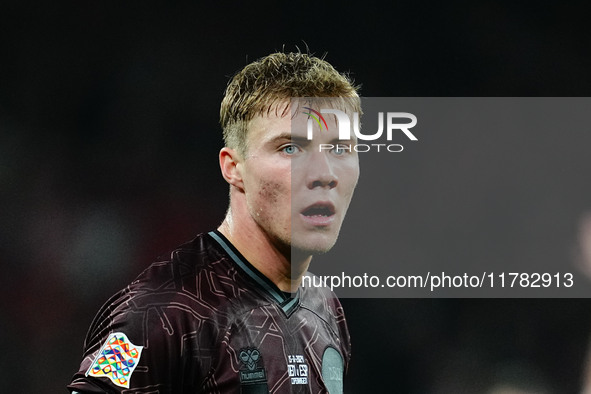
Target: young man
[226, 313]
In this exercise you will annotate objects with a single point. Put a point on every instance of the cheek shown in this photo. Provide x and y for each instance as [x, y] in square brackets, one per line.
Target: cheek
[268, 192]
[350, 176]
[268, 188]
[273, 194]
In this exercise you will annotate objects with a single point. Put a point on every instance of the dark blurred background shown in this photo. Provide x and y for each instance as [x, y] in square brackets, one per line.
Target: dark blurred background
[108, 157]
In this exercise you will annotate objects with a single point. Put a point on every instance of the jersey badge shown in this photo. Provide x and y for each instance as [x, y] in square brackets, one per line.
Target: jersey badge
[333, 370]
[253, 378]
[116, 360]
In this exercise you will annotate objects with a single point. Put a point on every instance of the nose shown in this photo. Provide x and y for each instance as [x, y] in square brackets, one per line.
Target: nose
[320, 172]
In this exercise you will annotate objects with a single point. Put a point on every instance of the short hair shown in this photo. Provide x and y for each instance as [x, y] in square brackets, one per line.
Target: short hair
[275, 78]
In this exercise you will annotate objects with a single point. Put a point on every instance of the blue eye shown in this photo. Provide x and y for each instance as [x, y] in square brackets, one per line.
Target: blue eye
[290, 149]
[340, 150]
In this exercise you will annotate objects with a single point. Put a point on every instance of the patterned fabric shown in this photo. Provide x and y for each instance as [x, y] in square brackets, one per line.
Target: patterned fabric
[206, 321]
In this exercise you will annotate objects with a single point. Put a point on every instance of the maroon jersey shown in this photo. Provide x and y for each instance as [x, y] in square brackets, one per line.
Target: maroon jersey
[206, 321]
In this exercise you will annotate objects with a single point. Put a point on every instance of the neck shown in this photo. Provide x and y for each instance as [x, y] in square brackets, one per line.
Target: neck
[273, 259]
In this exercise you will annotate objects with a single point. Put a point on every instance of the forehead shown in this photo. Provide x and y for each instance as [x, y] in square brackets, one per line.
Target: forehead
[289, 116]
[275, 120]
[268, 124]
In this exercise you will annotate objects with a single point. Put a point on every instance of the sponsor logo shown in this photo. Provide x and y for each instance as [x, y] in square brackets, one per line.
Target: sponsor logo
[251, 372]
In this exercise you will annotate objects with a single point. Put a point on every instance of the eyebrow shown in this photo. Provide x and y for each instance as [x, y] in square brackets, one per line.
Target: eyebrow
[283, 136]
[288, 137]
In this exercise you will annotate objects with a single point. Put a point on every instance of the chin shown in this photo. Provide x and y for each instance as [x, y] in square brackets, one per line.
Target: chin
[318, 244]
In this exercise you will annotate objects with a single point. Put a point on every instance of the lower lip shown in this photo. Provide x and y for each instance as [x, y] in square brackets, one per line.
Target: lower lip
[318, 221]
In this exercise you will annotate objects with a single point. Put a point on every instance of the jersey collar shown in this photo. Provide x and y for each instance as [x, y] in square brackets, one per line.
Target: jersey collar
[288, 304]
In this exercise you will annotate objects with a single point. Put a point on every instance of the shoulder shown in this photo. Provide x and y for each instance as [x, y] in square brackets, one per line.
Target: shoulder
[176, 306]
[191, 282]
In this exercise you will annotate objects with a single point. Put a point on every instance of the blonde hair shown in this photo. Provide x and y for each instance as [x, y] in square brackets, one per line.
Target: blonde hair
[277, 78]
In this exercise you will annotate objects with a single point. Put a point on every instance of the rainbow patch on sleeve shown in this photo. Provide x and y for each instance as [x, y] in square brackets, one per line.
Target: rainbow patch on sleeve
[116, 360]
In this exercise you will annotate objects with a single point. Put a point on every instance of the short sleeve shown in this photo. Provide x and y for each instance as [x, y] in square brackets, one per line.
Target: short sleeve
[134, 345]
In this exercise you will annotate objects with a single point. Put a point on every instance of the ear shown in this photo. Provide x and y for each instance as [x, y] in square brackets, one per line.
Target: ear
[231, 166]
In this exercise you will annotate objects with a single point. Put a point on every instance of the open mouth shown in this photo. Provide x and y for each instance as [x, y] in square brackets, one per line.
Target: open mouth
[319, 210]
